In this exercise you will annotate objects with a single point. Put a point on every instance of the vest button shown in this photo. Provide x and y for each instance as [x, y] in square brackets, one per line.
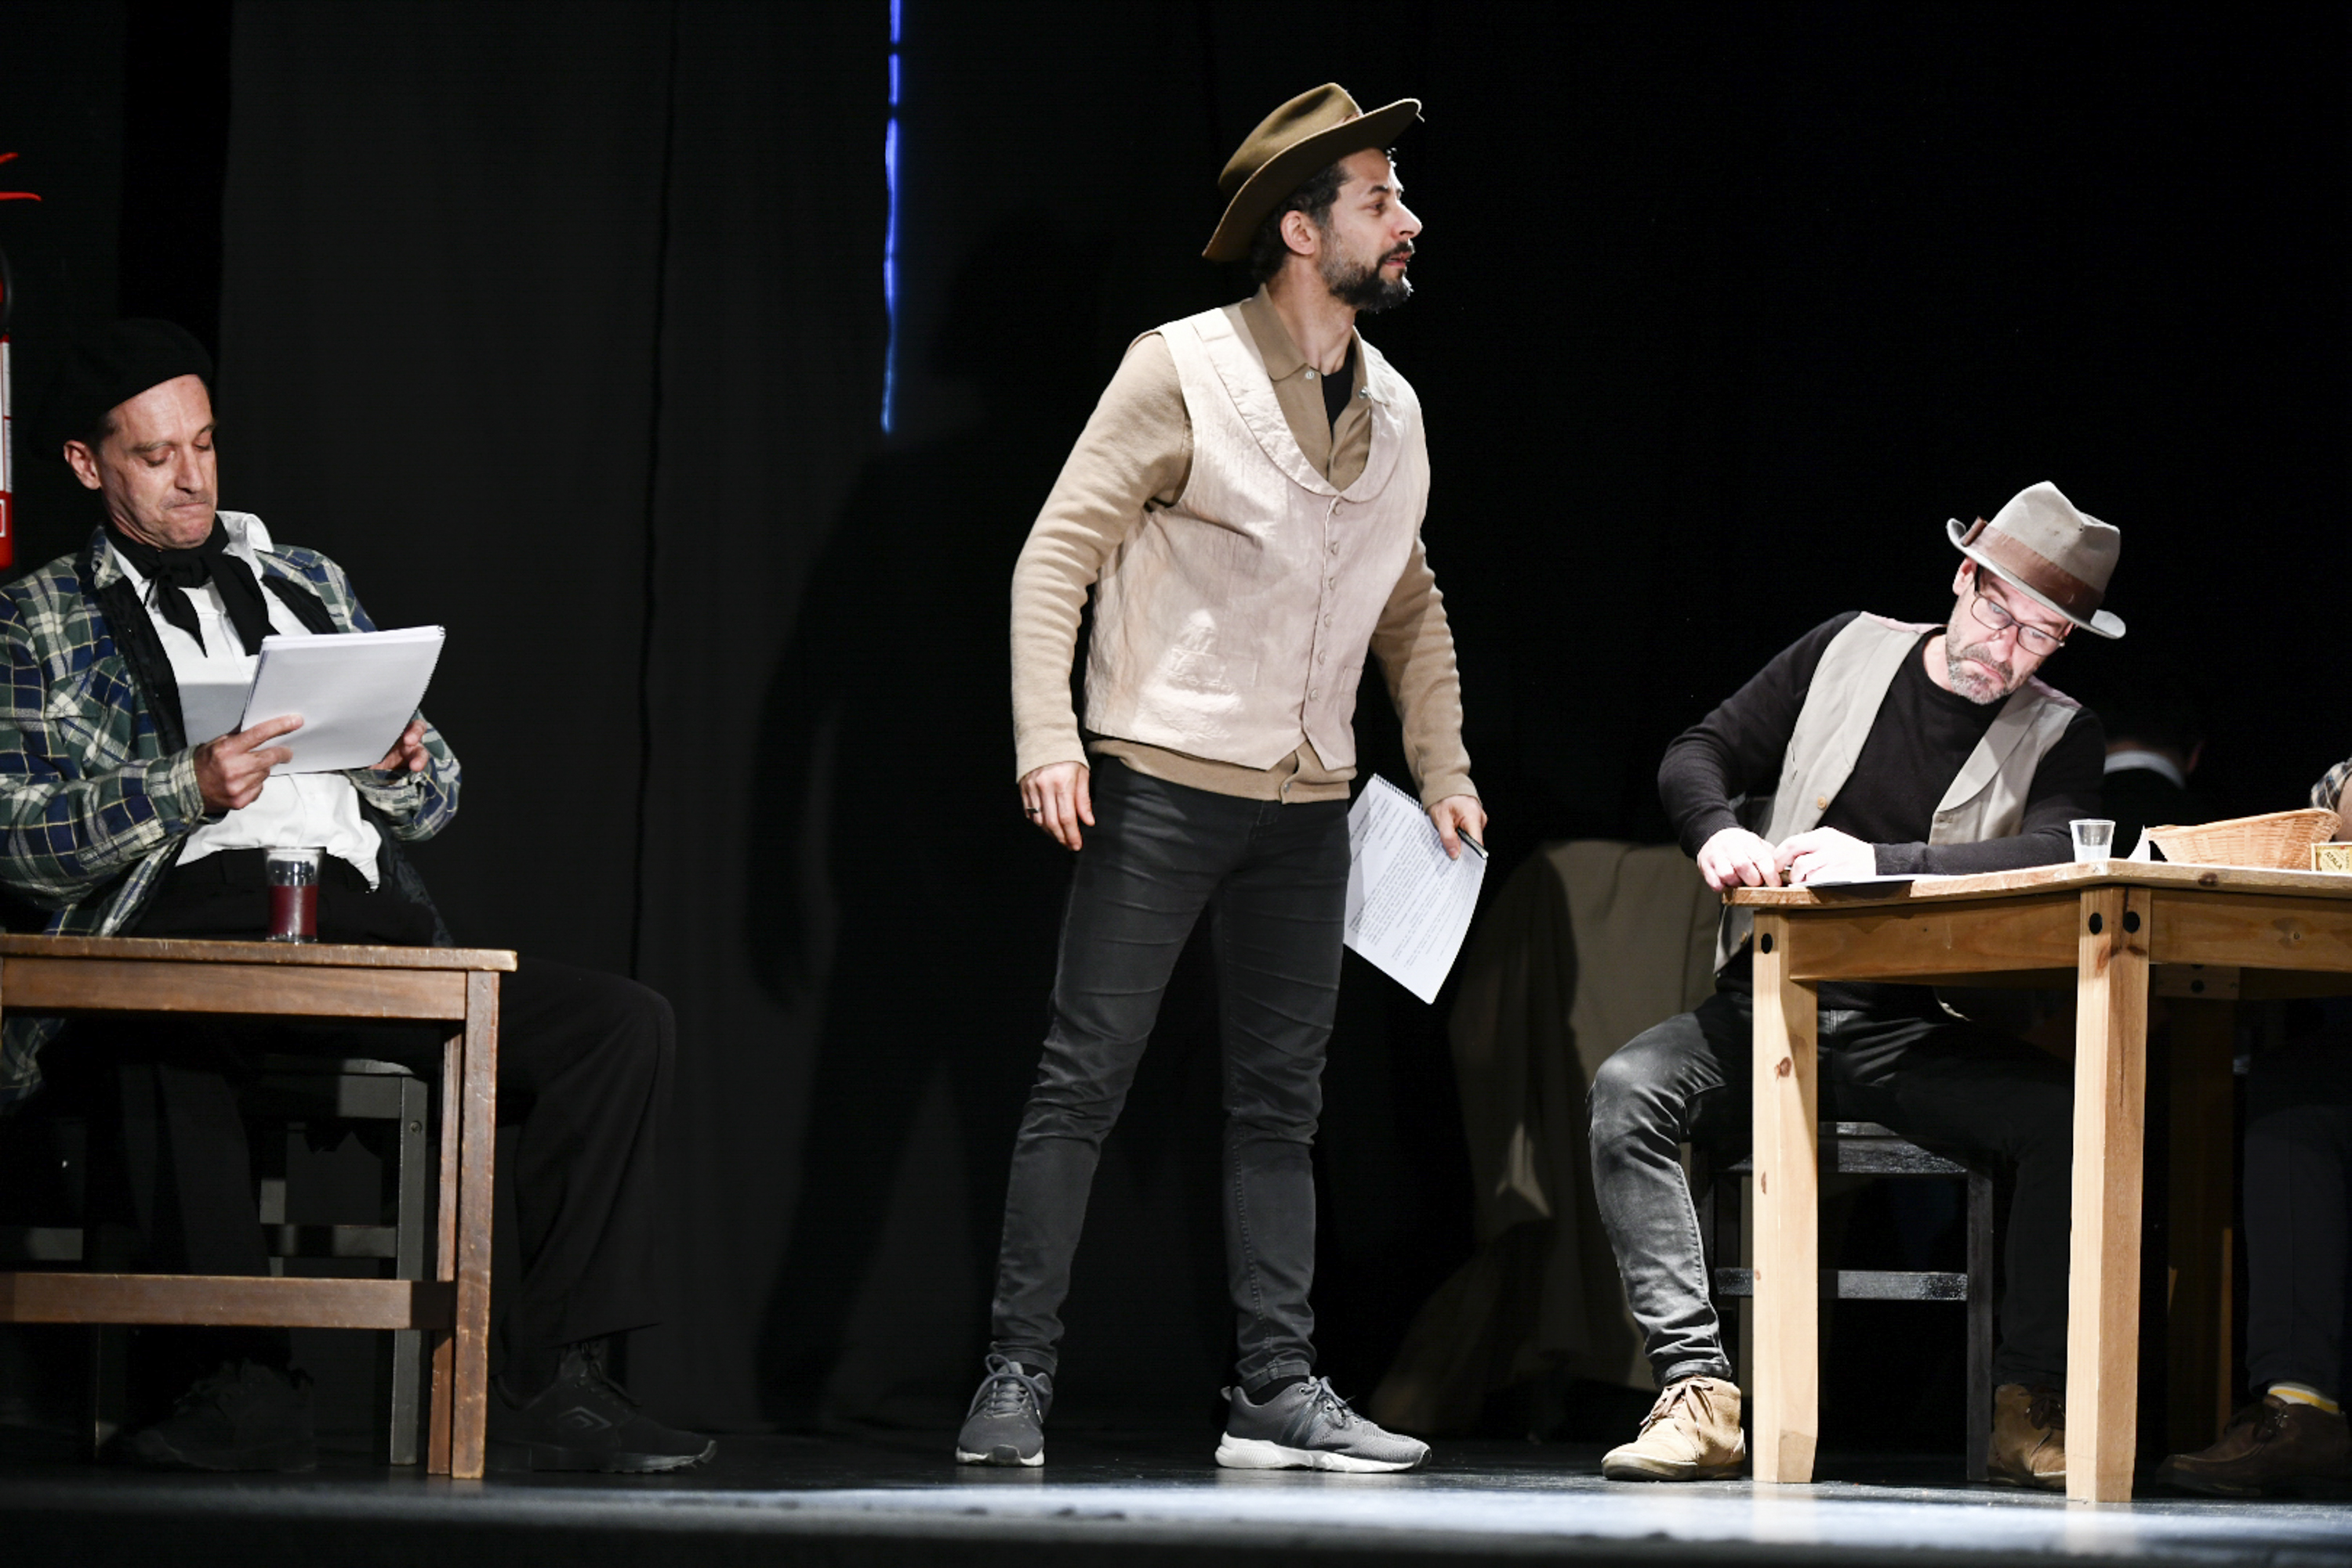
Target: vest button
[1821, 802]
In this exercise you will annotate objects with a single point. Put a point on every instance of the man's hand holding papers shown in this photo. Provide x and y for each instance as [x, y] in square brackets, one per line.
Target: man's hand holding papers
[1409, 902]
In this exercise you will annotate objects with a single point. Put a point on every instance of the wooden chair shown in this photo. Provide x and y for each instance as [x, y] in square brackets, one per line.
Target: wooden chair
[455, 986]
[294, 1095]
[1866, 1148]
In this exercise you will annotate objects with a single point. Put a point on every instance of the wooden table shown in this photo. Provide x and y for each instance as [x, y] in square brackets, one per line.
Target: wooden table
[458, 986]
[2250, 933]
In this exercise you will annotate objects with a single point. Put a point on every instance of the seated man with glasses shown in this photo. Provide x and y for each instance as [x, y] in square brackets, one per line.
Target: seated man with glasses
[1872, 746]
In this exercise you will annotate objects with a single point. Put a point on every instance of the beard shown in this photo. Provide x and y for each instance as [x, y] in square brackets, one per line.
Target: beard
[1967, 682]
[1353, 283]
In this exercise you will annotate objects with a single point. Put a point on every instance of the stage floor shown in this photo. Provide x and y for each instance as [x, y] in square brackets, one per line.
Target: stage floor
[1145, 1498]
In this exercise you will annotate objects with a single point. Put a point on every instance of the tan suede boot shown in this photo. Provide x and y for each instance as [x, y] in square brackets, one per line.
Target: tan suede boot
[2029, 1437]
[1691, 1433]
[2273, 1447]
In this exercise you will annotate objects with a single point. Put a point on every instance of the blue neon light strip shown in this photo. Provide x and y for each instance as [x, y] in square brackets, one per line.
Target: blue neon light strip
[891, 238]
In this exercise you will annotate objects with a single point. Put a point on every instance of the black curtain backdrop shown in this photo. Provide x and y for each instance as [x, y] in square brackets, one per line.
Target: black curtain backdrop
[568, 337]
[564, 328]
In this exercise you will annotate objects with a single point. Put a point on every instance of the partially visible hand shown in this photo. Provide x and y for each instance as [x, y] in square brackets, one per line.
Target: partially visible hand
[231, 769]
[1459, 817]
[1735, 857]
[1825, 854]
[408, 753]
[1056, 798]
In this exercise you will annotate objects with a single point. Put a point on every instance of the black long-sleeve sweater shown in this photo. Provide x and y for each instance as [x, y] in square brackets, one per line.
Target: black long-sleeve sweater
[1922, 737]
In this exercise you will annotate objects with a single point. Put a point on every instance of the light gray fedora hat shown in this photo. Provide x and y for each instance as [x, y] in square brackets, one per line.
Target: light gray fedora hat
[2060, 555]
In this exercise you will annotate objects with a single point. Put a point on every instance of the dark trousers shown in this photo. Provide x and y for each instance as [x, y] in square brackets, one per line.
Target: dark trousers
[1967, 1091]
[584, 1069]
[1273, 881]
[2298, 1201]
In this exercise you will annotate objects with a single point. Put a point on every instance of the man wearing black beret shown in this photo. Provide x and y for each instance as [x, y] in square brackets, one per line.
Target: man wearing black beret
[111, 823]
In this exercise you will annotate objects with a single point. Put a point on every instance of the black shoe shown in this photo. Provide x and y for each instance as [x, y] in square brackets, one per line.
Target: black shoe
[1006, 1423]
[585, 1421]
[245, 1417]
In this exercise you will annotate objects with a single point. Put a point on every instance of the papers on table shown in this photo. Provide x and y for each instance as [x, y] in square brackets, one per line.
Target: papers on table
[355, 693]
[1408, 904]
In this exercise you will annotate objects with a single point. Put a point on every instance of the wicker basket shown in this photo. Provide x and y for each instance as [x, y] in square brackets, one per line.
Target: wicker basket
[2280, 841]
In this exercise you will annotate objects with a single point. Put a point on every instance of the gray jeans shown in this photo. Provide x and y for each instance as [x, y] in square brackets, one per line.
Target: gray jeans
[1967, 1091]
[1273, 881]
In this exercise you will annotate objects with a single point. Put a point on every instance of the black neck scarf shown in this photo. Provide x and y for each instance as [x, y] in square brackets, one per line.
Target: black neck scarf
[170, 573]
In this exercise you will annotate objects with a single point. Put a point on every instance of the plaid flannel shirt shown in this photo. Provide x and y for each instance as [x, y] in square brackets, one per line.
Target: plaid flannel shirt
[92, 812]
[2330, 787]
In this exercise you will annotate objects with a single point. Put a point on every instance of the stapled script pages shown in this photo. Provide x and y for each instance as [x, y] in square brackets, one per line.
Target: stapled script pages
[355, 693]
[1408, 904]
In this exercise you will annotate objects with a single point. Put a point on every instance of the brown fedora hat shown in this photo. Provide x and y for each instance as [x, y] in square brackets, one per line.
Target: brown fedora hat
[1316, 128]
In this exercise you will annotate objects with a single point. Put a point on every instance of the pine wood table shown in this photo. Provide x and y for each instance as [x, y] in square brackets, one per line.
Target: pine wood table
[456, 986]
[2209, 935]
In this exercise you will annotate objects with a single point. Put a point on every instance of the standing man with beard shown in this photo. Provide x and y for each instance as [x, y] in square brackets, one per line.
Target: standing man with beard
[1245, 504]
[1872, 747]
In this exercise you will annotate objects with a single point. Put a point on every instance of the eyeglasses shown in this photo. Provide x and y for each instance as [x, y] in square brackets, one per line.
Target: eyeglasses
[1991, 614]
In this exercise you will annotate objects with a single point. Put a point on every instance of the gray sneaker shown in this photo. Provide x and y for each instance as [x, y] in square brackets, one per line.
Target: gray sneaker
[1006, 1423]
[1305, 1426]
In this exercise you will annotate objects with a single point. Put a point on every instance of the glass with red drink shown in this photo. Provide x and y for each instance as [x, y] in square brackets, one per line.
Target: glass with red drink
[294, 894]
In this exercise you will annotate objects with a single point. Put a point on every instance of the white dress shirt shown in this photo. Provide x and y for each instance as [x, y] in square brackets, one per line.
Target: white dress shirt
[294, 810]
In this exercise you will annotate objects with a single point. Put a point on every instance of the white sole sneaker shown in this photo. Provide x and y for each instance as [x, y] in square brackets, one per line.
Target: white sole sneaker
[1002, 1454]
[1257, 1454]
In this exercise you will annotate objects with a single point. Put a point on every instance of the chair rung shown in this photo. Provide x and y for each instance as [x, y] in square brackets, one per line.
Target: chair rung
[1872, 1157]
[1861, 1285]
[331, 1240]
[230, 1299]
[40, 1244]
[348, 1097]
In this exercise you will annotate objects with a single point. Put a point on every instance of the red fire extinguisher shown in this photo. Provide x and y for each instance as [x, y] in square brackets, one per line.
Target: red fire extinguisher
[7, 426]
[8, 423]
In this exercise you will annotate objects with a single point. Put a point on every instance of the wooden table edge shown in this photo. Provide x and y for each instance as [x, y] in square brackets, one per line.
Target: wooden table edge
[2064, 877]
[332, 955]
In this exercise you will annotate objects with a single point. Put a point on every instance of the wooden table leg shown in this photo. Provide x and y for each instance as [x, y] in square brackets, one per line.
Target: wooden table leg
[1786, 1375]
[2199, 1181]
[445, 1253]
[2110, 1105]
[476, 1158]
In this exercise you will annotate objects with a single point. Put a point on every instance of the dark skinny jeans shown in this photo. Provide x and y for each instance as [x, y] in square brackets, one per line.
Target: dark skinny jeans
[1273, 881]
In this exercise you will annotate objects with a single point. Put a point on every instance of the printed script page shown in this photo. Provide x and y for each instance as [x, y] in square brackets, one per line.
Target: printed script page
[355, 693]
[1408, 904]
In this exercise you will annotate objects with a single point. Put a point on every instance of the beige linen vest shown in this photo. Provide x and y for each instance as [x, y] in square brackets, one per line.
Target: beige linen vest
[1986, 797]
[1235, 623]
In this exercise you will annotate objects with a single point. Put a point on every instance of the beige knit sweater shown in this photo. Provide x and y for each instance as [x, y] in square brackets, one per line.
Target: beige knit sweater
[1137, 452]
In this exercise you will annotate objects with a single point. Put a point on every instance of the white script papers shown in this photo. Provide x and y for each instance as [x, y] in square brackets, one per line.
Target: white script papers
[211, 695]
[1408, 904]
[356, 692]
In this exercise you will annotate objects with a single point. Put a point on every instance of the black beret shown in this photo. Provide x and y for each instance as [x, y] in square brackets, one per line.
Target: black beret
[117, 363]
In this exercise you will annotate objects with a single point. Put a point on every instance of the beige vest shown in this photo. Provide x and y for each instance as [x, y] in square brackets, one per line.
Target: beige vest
[1234, 624]
[1986, 798]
